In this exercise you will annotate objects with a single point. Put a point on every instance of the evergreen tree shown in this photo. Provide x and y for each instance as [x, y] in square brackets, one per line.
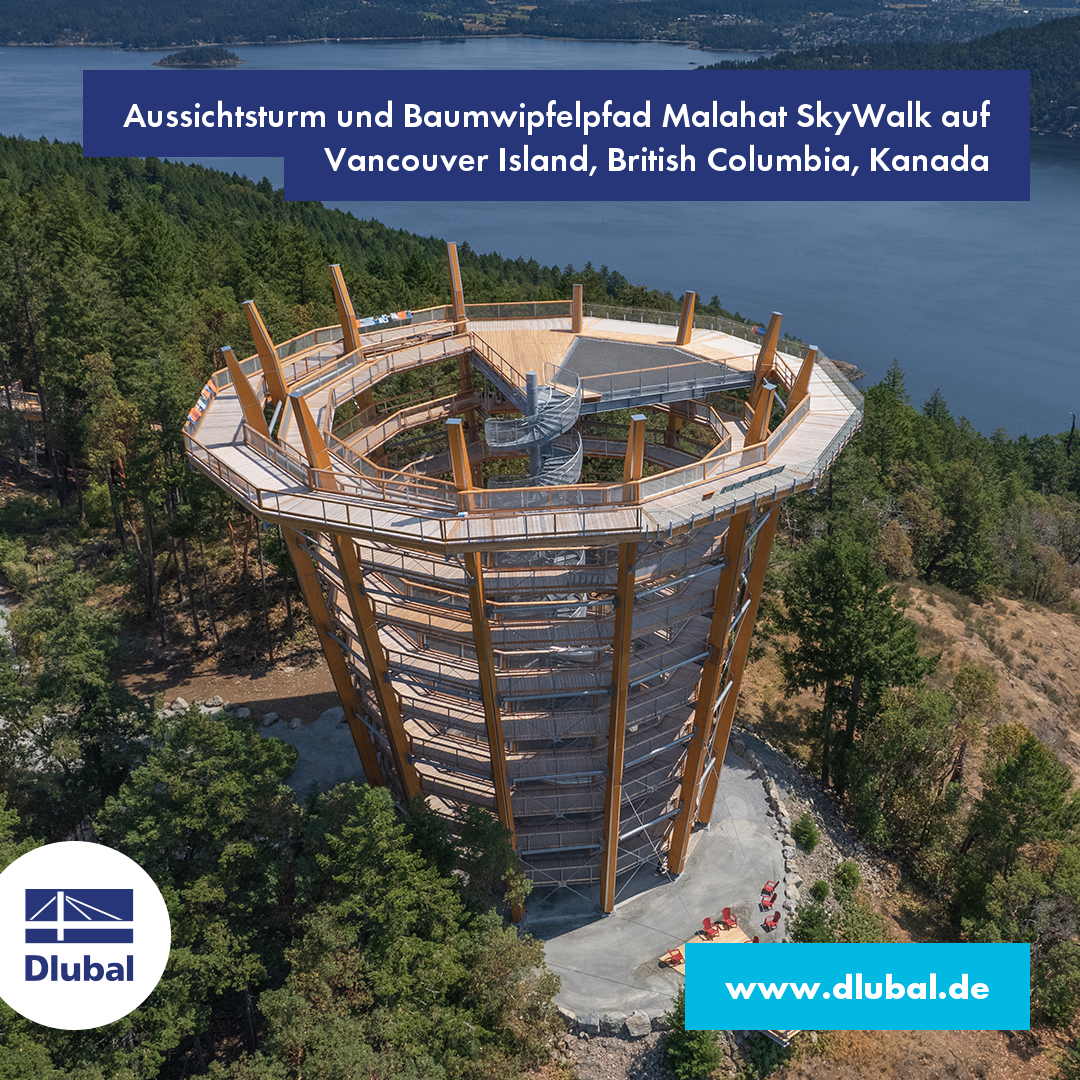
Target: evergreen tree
[688, 1055]
[850, 638]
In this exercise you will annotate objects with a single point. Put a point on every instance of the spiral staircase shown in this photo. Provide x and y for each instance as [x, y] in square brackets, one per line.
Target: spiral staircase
[546, 431]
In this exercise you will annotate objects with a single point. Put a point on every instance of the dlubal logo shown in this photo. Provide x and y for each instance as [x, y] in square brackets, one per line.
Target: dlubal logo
[84, 935]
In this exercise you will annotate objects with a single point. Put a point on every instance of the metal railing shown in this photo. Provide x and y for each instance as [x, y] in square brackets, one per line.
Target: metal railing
[733, 406]
[540, 309]
[397, 403]
[308, 362]
[213, 465]
[281, 454]
[497, 365]
[840, 381]
[557, 412]
[560, 464]
[561, 508]
[787, 426]
[662, 383]
[223, 377]
[701, 412]
[744, 330]
[784, 375]
[412, 356]
[671, 440]
[386, 485]
[428, 412]
[339, 498]
[322, 336]
[439, 313]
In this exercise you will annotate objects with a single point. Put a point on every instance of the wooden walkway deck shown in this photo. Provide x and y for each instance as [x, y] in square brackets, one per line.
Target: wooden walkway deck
[528, 344]
[429, 519]
[21, 401]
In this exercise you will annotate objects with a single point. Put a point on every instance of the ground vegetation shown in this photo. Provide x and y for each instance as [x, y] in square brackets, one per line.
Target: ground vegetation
[1050, 51]
[122, 279]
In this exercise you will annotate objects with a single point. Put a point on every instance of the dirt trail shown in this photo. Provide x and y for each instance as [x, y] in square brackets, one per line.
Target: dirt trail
[298, 685]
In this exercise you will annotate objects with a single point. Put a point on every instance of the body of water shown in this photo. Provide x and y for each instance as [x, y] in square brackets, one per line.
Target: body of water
[977, 299]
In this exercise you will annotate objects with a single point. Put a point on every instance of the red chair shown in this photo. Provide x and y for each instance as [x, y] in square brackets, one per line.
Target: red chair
[771, 921]
[768, 901]
[756, 940]
[710, 928]
[728, 919]
[674, 957]
[770, 888]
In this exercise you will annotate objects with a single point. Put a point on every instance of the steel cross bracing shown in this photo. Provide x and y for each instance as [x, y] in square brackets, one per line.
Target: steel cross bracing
[565, 654]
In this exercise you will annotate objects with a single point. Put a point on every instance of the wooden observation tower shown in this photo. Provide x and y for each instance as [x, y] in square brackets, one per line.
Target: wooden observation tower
[501, 632]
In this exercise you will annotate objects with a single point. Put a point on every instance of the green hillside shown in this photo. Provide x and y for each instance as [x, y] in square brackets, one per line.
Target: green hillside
[1050, 51]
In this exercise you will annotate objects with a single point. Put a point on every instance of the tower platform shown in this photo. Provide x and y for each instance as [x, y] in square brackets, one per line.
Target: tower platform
[565, 653]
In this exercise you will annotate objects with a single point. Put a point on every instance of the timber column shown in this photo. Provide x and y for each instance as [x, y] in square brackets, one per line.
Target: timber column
[620, 677]
[457, 307]
[727, 590]
[739, 650]
[359, 603]
[485, 655]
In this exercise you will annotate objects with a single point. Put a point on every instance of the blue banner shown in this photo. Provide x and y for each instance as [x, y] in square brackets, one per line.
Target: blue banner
[584, 135]
[858, 987]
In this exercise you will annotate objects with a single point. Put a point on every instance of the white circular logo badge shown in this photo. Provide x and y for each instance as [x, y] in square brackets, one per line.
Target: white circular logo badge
[84, 935]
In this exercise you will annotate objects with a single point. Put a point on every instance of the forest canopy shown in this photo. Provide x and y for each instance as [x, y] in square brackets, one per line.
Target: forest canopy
[731, 24]
[1050, 51]
[120, 280]
[200, 57]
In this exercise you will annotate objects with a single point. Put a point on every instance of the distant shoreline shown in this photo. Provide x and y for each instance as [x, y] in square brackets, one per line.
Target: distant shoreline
[119, 47]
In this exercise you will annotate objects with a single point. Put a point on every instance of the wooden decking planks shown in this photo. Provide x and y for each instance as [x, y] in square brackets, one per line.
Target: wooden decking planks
[256, 469]
[826, 396]
[528, 347]
[806, 440]
[221, 422]
[734, 936]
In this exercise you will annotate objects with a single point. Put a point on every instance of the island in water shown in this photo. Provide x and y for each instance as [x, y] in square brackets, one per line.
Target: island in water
[202, 56]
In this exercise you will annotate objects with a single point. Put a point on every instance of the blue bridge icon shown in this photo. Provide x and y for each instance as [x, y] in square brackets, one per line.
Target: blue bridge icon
[79, 916]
